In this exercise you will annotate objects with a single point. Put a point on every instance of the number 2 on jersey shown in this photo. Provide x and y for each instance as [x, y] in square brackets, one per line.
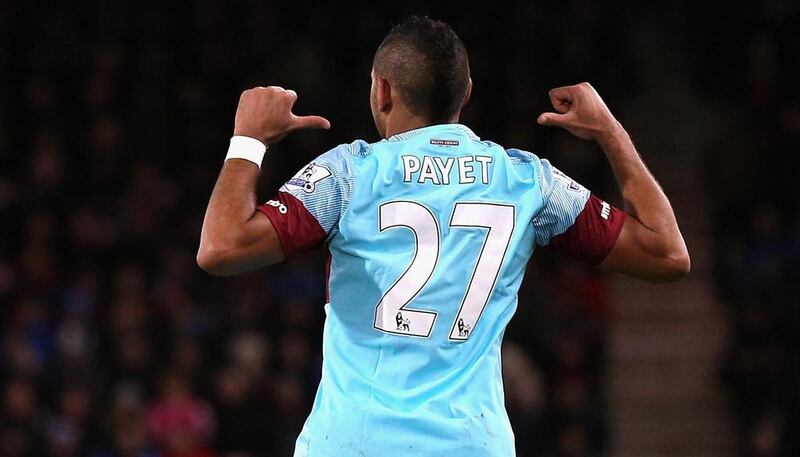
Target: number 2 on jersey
[392, 314]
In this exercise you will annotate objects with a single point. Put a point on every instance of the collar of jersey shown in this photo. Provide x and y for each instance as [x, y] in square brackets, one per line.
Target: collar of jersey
[453, 128]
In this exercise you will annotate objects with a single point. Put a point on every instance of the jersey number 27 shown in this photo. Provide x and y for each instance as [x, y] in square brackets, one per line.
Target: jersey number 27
[392, 314]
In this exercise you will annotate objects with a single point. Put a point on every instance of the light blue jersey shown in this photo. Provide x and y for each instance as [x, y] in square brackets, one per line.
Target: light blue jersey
[429, 234]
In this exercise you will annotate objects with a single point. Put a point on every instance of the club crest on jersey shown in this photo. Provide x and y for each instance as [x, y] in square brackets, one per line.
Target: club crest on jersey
[308, 178]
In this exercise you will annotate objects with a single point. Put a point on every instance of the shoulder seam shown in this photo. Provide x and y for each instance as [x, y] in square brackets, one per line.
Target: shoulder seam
[355, 151]
[539, 181]
[352, 152]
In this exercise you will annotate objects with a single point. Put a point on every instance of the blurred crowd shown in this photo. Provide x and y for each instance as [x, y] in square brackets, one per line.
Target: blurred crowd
[114, 120]
[751, 173]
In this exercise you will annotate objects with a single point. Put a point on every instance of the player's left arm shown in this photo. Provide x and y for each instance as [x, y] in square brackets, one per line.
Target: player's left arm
[235, 238]
[649, 245]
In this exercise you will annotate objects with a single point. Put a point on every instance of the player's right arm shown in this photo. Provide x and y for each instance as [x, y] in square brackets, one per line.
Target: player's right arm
[650, 245]
[235, 238]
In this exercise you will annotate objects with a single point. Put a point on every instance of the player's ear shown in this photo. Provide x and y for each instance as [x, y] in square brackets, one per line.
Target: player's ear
[468, 94]
[384, 94]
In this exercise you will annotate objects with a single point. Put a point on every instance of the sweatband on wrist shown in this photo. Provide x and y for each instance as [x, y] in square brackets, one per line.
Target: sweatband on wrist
[244, 147]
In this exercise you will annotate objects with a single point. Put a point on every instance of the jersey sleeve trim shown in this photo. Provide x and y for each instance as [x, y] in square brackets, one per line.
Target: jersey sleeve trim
[324, 185]
[593, 234]
[298, 230]
[562, 200]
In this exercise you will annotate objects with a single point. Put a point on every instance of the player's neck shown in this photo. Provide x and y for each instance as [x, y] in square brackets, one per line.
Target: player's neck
[395, 125]
[405, 122]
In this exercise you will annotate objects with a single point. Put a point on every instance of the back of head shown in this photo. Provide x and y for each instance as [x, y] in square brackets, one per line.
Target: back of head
[427, 65]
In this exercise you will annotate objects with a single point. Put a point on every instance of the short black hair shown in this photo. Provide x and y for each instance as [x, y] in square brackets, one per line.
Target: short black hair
[427, 64]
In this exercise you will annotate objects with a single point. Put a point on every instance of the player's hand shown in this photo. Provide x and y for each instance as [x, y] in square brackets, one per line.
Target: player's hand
[265, 113]
[581, 111]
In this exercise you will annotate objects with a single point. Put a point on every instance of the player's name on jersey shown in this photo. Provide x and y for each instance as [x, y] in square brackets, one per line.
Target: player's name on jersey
[444, 170]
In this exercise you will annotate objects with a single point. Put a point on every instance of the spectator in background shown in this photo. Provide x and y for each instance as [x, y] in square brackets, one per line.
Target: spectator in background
[245, 427]
[19, 436]
[125, 428]
[525, 399]
[181, 424]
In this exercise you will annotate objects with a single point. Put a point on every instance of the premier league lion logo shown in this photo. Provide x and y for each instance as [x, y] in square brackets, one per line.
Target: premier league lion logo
[308, 178]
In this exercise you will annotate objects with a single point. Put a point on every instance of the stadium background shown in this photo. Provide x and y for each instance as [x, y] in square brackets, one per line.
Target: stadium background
[114, 120]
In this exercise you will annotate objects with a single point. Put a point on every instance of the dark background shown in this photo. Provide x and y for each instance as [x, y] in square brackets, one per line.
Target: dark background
[114, 121]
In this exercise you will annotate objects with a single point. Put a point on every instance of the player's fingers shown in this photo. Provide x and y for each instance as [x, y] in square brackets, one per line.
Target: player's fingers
[311, 122]
[553, 119]
[290, 98]
[563, 92]
[561, 98]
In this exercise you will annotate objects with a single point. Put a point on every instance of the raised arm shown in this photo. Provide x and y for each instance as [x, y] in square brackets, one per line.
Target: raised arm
[650, 245]
[235, 238]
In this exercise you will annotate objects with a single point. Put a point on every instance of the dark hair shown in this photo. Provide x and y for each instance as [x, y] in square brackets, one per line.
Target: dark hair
[427, 64]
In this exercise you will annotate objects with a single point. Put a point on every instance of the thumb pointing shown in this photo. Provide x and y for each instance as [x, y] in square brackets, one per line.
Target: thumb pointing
[543, 119]
[550, 119]
[311, 122]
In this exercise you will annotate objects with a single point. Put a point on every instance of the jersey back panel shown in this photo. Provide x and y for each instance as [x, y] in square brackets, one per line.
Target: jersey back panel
[435, 231]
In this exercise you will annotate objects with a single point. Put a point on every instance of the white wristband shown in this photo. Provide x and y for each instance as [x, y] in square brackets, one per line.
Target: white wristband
[244, 147]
